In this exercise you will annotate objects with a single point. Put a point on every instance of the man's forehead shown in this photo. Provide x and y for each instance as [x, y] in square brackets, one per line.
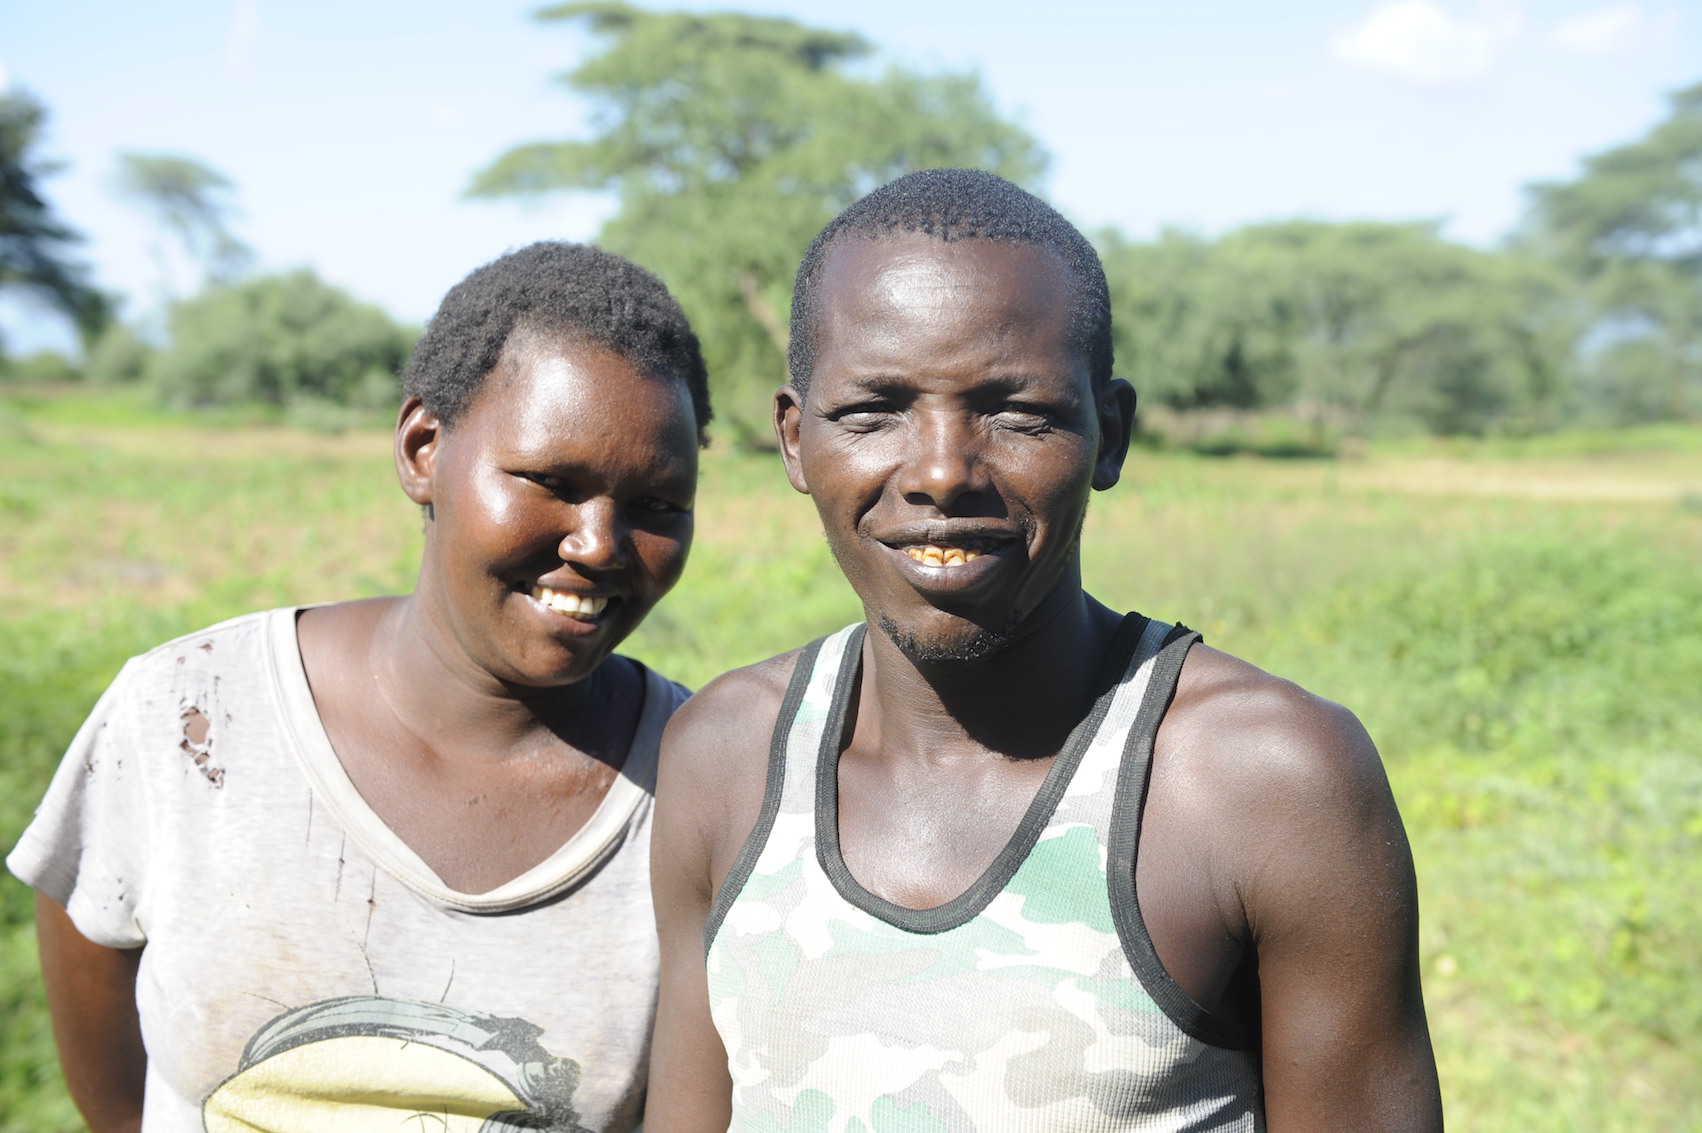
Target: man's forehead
[857, 258]
[921, 276]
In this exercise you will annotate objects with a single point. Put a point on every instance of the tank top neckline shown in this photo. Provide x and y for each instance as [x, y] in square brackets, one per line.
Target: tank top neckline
[992, 880]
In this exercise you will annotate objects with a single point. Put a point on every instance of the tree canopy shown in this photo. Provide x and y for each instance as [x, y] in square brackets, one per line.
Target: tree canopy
[1630, 225]
[1358, 321]
[729, 140]
[35, 245]
[192, 203]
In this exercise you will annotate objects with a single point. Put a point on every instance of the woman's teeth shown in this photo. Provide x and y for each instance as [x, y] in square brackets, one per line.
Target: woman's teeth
[574, 605]
[930, 555]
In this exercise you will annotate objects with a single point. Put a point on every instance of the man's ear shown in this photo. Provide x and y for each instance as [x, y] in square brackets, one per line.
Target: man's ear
[1116, 407]
[788, 419]
[417, 434]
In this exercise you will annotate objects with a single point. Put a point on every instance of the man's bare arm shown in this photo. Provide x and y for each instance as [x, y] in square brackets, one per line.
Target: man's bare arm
[91, 992]
[708, 795]
[1325, 880]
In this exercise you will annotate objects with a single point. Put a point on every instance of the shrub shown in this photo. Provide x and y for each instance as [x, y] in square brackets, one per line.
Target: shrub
[275, 340]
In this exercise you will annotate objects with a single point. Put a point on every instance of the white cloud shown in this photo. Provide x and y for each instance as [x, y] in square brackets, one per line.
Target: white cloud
[1611, 30]
[1424, 42]
[243, 36]
[5, 77]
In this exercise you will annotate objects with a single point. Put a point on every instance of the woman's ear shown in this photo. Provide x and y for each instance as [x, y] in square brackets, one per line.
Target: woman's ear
[417, 433]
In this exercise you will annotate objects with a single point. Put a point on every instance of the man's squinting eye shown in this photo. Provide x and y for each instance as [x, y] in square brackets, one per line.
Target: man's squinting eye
[659, 506]
[1022, 416]
[864, 415]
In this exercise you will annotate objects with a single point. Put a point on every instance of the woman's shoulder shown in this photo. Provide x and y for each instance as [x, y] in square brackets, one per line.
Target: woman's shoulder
[216, 649]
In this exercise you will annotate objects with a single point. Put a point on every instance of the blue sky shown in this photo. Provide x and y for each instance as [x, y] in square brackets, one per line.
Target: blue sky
[351, 128]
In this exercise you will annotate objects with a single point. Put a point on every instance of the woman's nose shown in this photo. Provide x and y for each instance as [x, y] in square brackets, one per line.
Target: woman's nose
[595, 537]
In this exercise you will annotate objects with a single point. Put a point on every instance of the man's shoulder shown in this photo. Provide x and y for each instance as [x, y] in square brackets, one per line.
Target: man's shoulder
[736, 700]
[1262, 741]
[1281, 792]
[714, 765]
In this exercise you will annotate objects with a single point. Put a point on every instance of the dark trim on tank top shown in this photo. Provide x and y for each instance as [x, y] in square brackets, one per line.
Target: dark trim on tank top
[1134, 778]
[973, 900]
[772, 791]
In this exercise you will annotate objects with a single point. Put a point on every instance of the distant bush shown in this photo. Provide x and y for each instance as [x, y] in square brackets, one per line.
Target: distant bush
[278, 340]
[118, 357]
[44, 367]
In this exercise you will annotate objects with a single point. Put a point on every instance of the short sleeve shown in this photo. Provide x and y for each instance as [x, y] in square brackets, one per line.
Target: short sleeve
[87, 847]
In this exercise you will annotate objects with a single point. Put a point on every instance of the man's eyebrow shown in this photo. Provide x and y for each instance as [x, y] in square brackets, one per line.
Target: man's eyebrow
[885, 383]
[1004, 383]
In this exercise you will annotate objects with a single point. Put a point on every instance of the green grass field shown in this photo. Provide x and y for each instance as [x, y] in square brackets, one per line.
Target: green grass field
[1517, 624]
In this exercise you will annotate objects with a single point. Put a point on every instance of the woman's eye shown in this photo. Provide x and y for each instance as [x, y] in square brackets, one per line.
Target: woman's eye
[544, 480]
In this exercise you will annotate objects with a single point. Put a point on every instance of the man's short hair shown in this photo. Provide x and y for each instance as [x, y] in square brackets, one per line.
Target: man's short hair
[559, 290]
[959, 204]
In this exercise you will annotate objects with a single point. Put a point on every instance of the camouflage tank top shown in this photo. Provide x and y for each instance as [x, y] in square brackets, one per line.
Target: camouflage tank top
[1032, 1001]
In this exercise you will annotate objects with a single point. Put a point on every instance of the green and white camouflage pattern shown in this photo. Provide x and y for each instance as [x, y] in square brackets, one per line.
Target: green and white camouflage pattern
[1026, 1016]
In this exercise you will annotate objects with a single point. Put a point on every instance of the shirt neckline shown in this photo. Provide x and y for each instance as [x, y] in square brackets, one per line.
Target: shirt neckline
[576, 859]
[992, 881]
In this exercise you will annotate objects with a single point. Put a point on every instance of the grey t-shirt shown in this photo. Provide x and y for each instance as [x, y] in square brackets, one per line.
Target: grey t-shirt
[304, 969]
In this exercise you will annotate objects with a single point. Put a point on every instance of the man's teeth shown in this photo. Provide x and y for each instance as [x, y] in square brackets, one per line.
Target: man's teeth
[576, 605]
[930, 555]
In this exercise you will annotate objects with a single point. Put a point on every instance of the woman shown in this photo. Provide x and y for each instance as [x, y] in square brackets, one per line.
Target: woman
[358, 865]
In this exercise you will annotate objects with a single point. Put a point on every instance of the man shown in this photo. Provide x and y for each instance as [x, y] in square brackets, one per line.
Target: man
[1002, 858]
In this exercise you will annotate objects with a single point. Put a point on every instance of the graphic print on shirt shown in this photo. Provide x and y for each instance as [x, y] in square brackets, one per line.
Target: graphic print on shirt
[363, 1062]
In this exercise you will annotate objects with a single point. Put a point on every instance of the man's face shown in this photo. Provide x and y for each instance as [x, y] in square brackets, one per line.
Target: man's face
[951, 437]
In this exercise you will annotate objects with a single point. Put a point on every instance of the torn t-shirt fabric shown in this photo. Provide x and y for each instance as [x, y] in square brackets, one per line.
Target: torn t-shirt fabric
[303, 968]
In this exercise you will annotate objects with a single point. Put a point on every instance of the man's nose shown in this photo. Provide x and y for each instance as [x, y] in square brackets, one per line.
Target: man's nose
[595, 537]
[944, 465]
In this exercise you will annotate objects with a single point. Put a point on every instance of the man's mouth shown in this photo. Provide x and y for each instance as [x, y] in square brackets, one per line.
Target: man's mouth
[934, 555]
[573, 605]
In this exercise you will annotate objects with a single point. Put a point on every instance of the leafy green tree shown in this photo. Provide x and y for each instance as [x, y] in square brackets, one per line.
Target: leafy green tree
[1367, 322]
[34, 243]
[192, 204]
[729, 141]
[1631, 226]
[280, 340]
[1390, 320]
[1188, 332]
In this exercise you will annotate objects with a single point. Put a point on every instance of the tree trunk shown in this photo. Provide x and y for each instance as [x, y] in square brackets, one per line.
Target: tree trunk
[750, 290]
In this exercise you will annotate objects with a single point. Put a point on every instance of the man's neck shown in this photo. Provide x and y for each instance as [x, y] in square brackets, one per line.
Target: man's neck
[1020, 702]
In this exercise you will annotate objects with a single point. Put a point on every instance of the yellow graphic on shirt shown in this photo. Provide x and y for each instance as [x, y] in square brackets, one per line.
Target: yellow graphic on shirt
[357, 1084]
[363, 1062]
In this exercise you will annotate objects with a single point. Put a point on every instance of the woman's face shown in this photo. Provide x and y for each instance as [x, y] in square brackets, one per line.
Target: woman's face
[561, 505]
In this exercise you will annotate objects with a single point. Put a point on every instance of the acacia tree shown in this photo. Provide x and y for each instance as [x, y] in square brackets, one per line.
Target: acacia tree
[191, 202]
[34, 243]
[1631, 225]
[729, 141]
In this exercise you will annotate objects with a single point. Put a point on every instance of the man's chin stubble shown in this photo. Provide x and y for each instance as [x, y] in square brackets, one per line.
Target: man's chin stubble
[983, 643]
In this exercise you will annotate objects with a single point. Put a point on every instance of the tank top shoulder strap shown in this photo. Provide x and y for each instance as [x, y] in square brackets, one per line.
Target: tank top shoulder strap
[812, 710]
[1134, 779]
